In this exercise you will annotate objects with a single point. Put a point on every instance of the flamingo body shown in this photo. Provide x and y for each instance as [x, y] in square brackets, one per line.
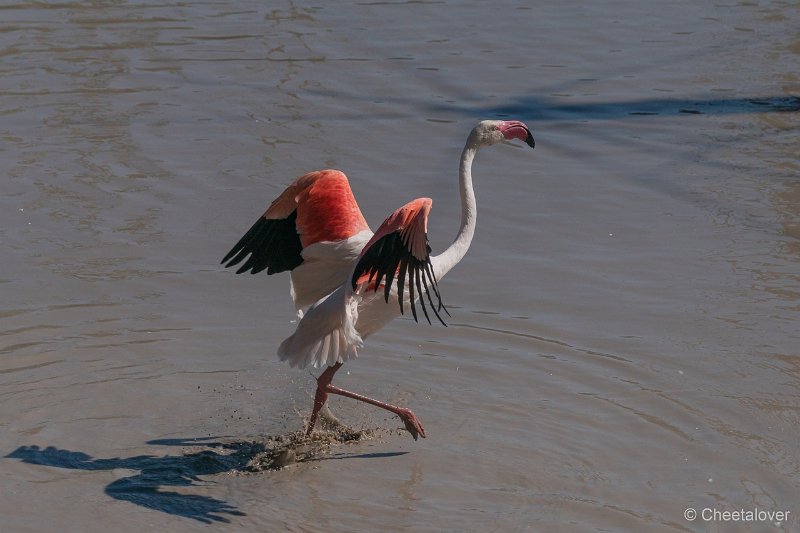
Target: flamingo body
[334, 328]
[346, 282]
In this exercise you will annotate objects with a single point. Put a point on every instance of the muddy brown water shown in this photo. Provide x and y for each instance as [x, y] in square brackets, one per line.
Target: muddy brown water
[624, 339]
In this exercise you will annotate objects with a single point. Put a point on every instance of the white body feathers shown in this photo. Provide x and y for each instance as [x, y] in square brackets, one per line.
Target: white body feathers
[333, 329]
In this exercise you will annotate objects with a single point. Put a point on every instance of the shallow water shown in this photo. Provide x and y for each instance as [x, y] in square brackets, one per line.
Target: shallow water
[624, 336]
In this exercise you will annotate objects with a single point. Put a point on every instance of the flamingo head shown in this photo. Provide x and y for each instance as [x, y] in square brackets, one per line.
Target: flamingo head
[489, 132]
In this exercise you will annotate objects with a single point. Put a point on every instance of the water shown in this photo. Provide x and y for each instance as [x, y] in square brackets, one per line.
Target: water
[624, 336]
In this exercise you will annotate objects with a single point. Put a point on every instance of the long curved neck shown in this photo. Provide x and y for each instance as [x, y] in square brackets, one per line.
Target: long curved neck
[445, 261]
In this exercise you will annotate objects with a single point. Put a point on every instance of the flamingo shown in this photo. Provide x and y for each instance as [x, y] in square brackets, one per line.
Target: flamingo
[348, 282]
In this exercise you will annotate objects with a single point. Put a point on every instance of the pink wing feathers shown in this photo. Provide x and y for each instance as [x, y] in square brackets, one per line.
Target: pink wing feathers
[314, 228]
[397, 260]
[318, 206]
[400, 250]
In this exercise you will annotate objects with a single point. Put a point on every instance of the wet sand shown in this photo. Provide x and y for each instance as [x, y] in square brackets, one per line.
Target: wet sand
[624, 339]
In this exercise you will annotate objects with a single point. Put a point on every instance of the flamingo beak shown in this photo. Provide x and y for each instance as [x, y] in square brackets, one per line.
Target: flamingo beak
[514, 129]
[529, 140]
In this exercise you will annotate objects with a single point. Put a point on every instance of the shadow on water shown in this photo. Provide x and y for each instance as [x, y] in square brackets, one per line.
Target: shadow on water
[145, 487]
[218, 455]
[545, 109]
[553, 109]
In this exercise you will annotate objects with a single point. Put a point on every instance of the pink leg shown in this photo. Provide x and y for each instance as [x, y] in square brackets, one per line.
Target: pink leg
[323, 381]
[324, 387]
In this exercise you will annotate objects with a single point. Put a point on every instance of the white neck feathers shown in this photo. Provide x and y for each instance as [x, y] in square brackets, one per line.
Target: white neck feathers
[445, 261]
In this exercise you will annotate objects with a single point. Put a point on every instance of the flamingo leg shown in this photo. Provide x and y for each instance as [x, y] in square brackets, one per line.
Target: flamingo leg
[324, 387]
[323, 382]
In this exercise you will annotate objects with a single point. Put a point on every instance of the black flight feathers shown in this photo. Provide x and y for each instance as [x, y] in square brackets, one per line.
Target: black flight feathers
[389, 257]
[273, 245]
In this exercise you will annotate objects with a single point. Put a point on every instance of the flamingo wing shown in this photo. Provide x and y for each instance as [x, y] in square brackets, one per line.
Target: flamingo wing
[399, 253]
[273, 245]
[315, 224]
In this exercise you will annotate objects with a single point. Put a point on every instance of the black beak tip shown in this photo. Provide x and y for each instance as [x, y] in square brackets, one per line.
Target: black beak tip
[529, 141]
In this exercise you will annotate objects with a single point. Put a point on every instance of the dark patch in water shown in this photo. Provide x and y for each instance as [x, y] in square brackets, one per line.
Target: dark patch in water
[204, 456]
[543, 108]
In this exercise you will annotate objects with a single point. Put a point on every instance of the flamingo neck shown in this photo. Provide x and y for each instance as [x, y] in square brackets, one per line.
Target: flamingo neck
[456, 251]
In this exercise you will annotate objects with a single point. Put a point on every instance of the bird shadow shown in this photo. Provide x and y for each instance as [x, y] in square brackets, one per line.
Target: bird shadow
[146, 488]
[149, 486]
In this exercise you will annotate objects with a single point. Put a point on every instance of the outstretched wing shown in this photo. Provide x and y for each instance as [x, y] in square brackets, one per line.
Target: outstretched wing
[315, 224]
[399, 253]
[273, 245]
